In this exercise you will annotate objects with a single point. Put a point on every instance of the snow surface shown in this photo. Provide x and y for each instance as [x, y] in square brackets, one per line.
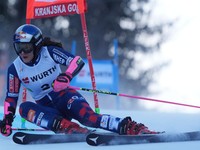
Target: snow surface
[160, 121]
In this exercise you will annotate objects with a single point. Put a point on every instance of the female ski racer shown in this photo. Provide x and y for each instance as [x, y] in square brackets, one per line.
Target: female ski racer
[37, 68]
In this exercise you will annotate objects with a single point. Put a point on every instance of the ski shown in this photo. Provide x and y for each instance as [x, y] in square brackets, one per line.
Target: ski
[96, 139]
[29, 138]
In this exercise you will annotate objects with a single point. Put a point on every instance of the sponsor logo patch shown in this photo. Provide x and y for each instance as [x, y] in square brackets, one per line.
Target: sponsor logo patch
[31, 115]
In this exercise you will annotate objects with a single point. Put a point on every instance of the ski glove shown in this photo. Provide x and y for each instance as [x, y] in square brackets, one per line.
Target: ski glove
[62, 82]
[6, 125]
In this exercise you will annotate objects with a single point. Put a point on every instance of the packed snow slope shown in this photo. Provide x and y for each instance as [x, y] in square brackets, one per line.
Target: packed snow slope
[159, 121]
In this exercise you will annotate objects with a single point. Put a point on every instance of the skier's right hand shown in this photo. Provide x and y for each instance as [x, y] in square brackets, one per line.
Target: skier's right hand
[6, 124]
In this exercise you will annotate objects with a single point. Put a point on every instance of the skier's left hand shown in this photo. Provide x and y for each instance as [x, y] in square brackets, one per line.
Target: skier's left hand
[62, 82]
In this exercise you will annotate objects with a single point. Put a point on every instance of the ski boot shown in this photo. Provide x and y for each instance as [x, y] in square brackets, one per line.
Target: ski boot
[129, 127]
[69, 127]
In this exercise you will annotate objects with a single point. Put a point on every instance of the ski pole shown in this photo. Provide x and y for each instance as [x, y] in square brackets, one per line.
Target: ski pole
[24, 97]
[133, 96]
[24, 129]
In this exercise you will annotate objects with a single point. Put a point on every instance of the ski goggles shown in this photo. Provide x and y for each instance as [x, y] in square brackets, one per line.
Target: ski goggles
[25, 47]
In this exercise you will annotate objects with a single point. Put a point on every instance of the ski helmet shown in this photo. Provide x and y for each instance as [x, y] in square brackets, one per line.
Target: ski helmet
[27, 38]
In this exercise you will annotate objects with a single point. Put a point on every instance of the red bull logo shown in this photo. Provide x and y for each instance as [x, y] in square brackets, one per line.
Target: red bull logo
[20, 35]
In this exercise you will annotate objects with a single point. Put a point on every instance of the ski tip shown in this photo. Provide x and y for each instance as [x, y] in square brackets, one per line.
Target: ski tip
[19, 138]
[92, 139]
